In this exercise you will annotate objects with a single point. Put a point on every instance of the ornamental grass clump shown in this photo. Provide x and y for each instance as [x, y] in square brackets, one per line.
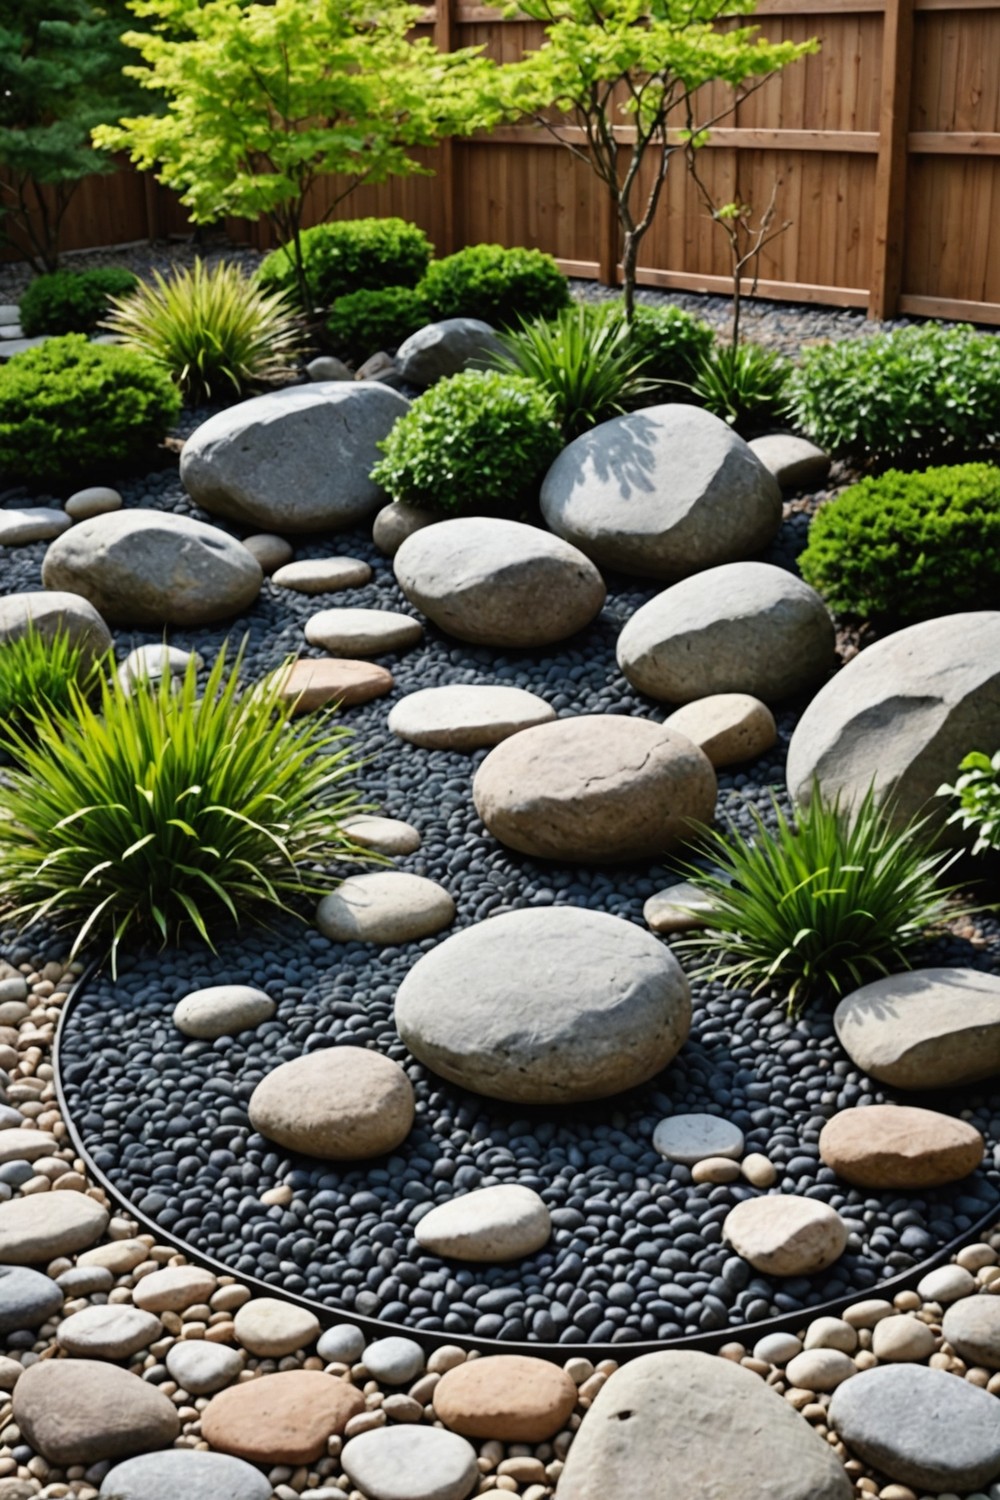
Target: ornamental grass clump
[38, 674]
[743, 384]
[160, 811]
[819, 905]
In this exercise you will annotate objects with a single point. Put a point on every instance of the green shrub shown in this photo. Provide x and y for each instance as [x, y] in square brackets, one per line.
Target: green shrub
[900, 547]
[209, 329]
[162, 811]
[363, 323]
[496, 285]
[71, 410]
[673, 343]
[977, 791]
[903, 397]
[585, 359]
[38, 674]
[351, 256]
[479, 441]
[743, 384]
[72, 301]
[822, 906]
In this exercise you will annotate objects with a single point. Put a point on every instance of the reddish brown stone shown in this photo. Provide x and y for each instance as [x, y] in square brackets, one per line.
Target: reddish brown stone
[509, 1397]
[280, 1419]
[312, 684]
[899, 1146]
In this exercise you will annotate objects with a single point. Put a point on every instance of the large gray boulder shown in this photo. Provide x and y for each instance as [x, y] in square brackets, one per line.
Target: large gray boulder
[662, 493]
[193, 1475]
[297, 459]
[446, 348]
[901, 716]
[925, 1029]
[51, 611]
[746, 627]
[715, 1429]
[605, 1006]
[498, 583]
[149, 569]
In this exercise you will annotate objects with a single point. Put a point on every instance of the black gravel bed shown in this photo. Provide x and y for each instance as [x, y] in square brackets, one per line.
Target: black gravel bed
[637, 1252]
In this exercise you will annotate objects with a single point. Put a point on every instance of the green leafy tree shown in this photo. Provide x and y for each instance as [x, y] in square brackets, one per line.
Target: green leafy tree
[608, 64]
[263, 99]
[60, 76]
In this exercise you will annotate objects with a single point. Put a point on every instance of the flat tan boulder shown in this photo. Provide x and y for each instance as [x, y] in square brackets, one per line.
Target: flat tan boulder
[462, 716]
[730, 727]
[511, 1398]
[384, 906]
[340, 1104]
[897, 1146]
[310, 683]
[286, 1418]
[83, 1411]
[492, 1224]
[786, 1235]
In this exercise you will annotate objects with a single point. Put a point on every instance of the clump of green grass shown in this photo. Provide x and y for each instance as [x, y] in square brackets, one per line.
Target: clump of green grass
[38, 674]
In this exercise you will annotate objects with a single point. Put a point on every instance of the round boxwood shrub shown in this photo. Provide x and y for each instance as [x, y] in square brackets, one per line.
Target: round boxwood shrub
[903, 397]
[480, 442]
[902, 547]
[363, 323]
[673, 342]
[71, 410]
[351, 256]
[72, 301]
[499, 286]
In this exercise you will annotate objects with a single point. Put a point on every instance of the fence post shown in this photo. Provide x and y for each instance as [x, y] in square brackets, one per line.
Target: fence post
[444, 40]
[890, 173]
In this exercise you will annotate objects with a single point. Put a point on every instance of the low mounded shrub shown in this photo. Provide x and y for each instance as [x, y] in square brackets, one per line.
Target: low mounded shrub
[72, 301]
[363, 323]
[352, 255]
[496, 285]
[209, 328]
[743, 384]
[475, 442]
[672, 342]
[977, 792]
[903, 397]
[71, 410]
[899, 547]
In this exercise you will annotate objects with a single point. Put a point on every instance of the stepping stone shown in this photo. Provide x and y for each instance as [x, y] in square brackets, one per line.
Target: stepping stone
[730, 727]
[84, 1411]
[745, 628]
[795, 463]
[312, 684]
[411, 1463]
[51, 613]
[322, 575]
[342, 1343]
[339, 1104]
[98, 500]
[608, 1007]
[269, 1327]
[595, 788]
[280, 1419]
[972, 1327]
[678, 908]
[395, 522]
[25, 1145]
[384, 906]
[896, 1146]
[36, 1230]
[396, 1361]
[19, 527]
[712, 1426]
[820, 1369]
[148, 569]
[899, 1339]
[510, 1398]
[383, 835]
[499, 583]
[190, 1474]
[927, 1029]
[153, 663]
[691, 1138]
[786, 1235]
[363, 632]
[492, 1224]
[174, 1288]
[27, 1298]
[466, 717]
[112, 1331]
[922, 1427]
[222, 1010]
[201, 1368]
[272, 552]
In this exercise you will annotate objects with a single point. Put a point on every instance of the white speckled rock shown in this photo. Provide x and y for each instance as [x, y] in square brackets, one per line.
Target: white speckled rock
[201, 1368]
[693, 1137]
[786, 1235]
[179, 1474]
[339, 1103]
[112, 1331]
[820, 1369]
[730, 727]
[383, 835]
[362, 632]
[222, 1010]
[464, 716]
[271, 1328]
[927, 1028]
[384, 906]
[411, 1463]
[97, 500]
[322, 575]
[492, 1224]
[395, 1360]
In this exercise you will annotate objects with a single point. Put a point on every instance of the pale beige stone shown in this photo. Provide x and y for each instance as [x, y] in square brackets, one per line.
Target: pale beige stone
[786, 1235]
[340, 1103]
[729, 727]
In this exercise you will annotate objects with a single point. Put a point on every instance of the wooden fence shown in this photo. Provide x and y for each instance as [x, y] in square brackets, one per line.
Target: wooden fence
[886, 146]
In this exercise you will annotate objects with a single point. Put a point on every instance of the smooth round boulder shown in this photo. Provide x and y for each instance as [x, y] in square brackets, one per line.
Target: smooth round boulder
[746, 627]
[222, 1010]
[446, 348]
[396, 521]
[27, 1298]
[730, 727]
[972, 1328]
[296, 459]
[286, 1418]
[83, 1411]
[148, 569]
[897, 1146]
[272, 552]
[662, 493]
[52, 612]
[795, 463]
[37, 1229]
[820, 1369]
[384, 906]
[466, 716]
[37, 524]
[97, 500]
[110, 1331]
[185, 1474]
[694, 1137]
[201, 1368]
[153, 663]
[901, 716]
[492, 1224]
[925, 1029]
[786, 1235]
[271, 1327]
[498, 583]
[897, 1340]
[411, 1463]
[511, 1398]
[595, 789]
[322, 575]
[340, 1104]
[608, 1007]
[383, 835]
[362, 632]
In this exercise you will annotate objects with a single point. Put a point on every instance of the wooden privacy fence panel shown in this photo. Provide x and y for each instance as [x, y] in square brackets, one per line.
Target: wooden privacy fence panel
[886, 146]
